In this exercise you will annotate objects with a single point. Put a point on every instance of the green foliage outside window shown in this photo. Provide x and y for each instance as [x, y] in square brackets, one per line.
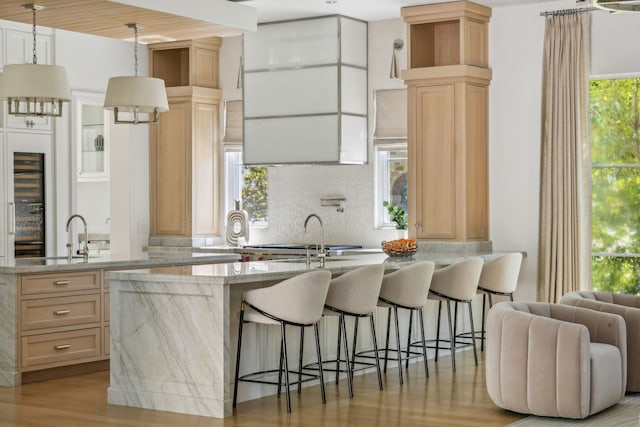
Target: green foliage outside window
[615, 153]
[254, 193]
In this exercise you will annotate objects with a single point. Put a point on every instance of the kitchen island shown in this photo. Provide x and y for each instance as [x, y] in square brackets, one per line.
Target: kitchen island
[173, 332]
[54, 313]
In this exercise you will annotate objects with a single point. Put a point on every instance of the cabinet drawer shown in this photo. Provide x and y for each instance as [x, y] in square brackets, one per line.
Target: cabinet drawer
[37, 283]
[63, 311]
[60, 347]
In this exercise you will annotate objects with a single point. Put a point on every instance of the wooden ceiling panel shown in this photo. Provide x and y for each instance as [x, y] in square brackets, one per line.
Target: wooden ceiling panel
[109, 19]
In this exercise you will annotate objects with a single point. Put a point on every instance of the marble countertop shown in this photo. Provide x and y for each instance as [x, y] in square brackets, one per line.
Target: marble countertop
[111, 261]
[256, 271]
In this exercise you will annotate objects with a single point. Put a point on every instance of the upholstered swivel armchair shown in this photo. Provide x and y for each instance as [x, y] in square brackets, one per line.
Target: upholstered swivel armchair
[555, 360]
[627, 306]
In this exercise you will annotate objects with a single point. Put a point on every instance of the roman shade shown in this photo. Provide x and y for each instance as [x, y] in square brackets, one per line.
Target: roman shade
[390, 114]
[233, 121]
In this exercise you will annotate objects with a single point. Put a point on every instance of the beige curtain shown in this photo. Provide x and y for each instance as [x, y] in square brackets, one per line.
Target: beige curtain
[564, 251]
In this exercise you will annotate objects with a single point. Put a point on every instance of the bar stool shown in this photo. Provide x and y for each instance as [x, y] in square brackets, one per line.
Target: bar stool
[406, 288]
[354, 294]
[499, 277]
[297, 301]
[455, 283]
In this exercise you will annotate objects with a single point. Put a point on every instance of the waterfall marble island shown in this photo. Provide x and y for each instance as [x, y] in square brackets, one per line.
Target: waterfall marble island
[54, 313]
[174, 330]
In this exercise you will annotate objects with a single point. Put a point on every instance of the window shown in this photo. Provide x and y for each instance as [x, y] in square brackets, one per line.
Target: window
[615, 153]
[390, 144]
[391, 178]
[249, 185]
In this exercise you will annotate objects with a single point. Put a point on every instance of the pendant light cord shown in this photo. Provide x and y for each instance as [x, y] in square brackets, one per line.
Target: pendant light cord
[135, 48]
[35, 58]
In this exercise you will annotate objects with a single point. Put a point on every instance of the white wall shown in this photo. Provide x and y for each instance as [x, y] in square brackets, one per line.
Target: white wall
[90, 62]
[516, 43]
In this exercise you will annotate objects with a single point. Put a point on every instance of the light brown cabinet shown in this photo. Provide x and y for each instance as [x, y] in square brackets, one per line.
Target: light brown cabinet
[184, 163]
[61, 321]
[186, 62]
[184, 155]
[447, 94]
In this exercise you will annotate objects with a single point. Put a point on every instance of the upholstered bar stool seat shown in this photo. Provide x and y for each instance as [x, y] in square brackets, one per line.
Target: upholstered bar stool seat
[354, 294]
[298, 301]
[457, 283]
[406, 288]
[499, 277]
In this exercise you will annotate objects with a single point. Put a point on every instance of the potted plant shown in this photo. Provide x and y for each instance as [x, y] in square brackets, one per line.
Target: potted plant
[398, 215]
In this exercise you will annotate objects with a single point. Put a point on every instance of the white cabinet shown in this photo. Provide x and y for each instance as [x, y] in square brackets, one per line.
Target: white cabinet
[18, 49]
[91, 123]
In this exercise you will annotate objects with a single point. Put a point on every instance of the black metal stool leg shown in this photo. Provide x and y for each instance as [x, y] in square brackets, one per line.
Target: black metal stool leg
[451, 337]
[346, 352]
[300, 359]
[286, 366]
[280, 367]
[386, 346]
[455, 322]
[338, 348]
[424, 343]
[319, 356]
[409, 338]
[375, 349]
[235, 380]
[438, 329]
[353, 346]
[398, 351]
[473, 334]
[484, 314]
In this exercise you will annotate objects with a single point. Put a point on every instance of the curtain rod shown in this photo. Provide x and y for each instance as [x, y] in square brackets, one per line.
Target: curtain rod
[568, 11]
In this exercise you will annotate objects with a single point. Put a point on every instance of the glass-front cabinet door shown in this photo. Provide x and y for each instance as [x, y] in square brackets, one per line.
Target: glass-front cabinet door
[92, 136]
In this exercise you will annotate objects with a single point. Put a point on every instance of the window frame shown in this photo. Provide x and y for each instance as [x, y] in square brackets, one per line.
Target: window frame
[610, 255]
[233, 169]
[382, 148]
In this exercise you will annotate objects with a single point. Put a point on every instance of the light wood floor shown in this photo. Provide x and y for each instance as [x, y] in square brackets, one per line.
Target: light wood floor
[444, 399]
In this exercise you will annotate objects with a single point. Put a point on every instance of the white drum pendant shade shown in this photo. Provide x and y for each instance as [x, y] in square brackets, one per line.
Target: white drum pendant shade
[135, 93]
[35, 82]
[34, 89]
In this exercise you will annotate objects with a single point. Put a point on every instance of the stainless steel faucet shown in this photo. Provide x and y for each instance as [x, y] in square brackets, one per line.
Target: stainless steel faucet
[85, 250]
[322, 254]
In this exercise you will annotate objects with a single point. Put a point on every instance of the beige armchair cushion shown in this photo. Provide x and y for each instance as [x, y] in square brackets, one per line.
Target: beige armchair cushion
[627, 306]
[554, 360]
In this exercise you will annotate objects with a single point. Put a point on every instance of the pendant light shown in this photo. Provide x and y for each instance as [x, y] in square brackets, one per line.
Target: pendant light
[135, 94]
[34, 89]
[618, 5]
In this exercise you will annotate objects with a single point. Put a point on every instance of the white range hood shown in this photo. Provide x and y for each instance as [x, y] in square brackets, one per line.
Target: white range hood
[305, 92]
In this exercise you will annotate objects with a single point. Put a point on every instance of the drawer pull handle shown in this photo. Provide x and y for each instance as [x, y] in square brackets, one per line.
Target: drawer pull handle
[62, 346]
[61, 312]
[61, 282]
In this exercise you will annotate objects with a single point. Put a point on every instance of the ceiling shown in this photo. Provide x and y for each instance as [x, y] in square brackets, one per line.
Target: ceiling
[367, 10]
[162, 20]
[168, 20]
